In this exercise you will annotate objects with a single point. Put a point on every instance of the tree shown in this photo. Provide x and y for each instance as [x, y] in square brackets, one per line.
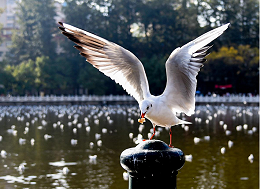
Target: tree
[167, 24]
[36, 28]
[45, 72]
[150, 29]
[229, 65]
[6, 78]
[242, 14]
[25, 76]
[64, 76]
[156, 73]
[1, 26]
[89, 16]
[114, 20]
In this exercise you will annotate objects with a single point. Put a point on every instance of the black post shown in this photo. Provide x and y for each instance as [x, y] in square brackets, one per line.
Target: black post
[152, 164]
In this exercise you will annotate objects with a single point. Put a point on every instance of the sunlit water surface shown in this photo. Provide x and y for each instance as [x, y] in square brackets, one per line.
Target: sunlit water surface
[79, 146]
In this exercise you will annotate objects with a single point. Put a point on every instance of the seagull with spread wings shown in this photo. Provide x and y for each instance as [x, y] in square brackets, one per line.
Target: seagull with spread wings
[125, 68]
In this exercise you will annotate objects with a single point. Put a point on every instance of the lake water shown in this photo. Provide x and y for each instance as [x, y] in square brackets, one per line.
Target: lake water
[79, 146]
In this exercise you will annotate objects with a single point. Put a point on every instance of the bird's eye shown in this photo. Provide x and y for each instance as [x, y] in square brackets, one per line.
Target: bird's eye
[147, 108]
[151, 105]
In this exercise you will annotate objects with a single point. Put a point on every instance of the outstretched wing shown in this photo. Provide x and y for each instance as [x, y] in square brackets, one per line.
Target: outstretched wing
[111, 59]
[182, 67]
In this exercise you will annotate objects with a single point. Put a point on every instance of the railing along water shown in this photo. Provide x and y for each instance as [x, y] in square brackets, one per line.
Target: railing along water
[123, 99]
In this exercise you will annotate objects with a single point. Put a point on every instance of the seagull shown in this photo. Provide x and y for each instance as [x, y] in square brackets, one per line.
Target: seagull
[126, 69]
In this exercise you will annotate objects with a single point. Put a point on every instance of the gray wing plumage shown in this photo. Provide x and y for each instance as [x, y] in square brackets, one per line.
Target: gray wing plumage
[111, 59]
[182, 67]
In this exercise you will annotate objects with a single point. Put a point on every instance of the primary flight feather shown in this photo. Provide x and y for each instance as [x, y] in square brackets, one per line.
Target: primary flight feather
[125, 68]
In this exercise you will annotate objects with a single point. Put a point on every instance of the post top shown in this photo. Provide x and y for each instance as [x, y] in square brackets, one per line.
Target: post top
[152, 157]
[152, 145]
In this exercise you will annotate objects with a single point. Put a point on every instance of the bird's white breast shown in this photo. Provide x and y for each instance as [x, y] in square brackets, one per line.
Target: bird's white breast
[162, 115]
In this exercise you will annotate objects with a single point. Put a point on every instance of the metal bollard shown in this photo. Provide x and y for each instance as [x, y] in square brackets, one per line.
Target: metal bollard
[152, 164]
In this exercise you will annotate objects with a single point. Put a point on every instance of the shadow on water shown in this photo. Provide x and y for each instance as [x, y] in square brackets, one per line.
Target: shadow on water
[79, 146]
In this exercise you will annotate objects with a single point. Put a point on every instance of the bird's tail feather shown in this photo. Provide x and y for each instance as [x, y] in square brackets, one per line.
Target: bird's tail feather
[184, 122]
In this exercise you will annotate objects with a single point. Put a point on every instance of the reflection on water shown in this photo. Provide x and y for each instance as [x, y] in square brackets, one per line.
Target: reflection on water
[79, 146]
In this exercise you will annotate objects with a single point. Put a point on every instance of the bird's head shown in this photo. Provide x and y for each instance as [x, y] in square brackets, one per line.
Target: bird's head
[145, 107]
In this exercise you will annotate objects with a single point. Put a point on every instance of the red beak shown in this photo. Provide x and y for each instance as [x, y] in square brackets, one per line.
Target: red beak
[143, 114]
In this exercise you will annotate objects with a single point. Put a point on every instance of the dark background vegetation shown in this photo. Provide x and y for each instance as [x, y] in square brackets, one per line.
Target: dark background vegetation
[151, 29]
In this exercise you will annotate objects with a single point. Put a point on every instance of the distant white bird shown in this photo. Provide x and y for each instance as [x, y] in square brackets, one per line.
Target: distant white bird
[65, 170]
[46, 136]
[91, 145]
[230, 143]
[196, 140]
[254, 129]
[188, 158]
[245, 126]
[92, 159]
[251, 158]
[73, 142]
[223, 150]
[88, 128]
[239, 127]
[125, 68]
[104, 130]
[97, 136]
[21, 167]
[186, 128]
[131, 135]
[3, 154]
[32, 141]
[22, 141]
[99, 143]
[125, 175]
[228, 132]
[74, 130]
[138, 139]
[207, 138]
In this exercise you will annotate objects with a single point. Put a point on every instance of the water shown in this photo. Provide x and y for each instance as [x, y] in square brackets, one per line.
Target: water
[79, 146]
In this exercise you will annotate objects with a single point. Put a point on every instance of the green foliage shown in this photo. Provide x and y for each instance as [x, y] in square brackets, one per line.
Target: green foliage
[229, 65]
[1, 25]
[243, 16]
[44, 70]
[36, 28]
[156, 74]
[63, 74]
[167, 25]
[151, 29]
[25, 76]
[6, 78]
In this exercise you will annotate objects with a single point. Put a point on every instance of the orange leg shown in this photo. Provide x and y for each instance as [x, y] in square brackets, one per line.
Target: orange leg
[170, 132]
[153, 132]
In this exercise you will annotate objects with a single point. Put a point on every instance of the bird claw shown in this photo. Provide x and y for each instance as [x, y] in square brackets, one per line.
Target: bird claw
[171, 146]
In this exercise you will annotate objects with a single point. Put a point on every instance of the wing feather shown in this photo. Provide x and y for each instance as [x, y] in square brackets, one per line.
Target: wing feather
[182, 67]
[111, 59]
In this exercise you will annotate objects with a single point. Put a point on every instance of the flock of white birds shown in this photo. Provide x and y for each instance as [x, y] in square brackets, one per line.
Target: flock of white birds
[18, 121]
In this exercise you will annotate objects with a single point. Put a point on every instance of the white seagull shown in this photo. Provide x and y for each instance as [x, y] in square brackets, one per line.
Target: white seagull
[125, 68]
